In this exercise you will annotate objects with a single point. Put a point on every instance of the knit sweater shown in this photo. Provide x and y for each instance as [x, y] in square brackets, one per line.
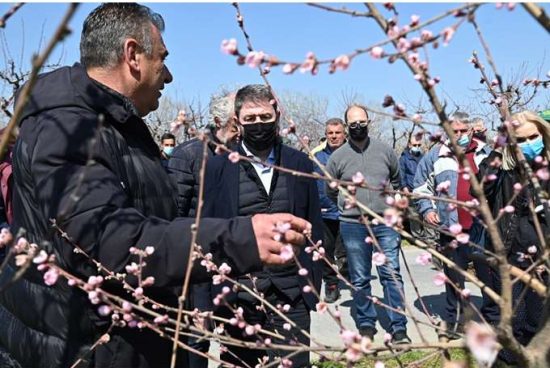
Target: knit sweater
[378, 164]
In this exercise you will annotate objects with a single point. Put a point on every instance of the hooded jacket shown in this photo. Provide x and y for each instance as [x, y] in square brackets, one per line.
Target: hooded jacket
[87, 160]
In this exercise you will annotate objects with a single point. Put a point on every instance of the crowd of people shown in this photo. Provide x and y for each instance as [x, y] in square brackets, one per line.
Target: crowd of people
[110, 188]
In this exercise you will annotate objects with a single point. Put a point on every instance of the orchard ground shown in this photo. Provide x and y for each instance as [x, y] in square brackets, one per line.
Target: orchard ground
[326, 331]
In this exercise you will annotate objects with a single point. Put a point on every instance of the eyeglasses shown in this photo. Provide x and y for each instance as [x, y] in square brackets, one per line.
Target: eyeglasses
[358, 123]
[525, 139]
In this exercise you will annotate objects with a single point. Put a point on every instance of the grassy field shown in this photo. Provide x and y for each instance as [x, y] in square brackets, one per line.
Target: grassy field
[418, 359]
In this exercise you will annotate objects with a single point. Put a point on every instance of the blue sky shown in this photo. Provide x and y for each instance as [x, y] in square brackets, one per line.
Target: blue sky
[194, 32]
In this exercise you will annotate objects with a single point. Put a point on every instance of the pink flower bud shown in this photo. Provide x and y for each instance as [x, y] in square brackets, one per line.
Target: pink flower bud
[378, 258]
[229, 47]
[440, 279]
[377, 52]
[287, 326]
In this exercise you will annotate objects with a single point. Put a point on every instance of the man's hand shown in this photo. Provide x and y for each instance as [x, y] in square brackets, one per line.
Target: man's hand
[432, 218]
[264, 230]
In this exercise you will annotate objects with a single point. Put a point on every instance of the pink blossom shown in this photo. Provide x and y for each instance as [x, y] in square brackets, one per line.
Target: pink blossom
[368, 240]
[543, 174]
[321, 307]
[229, 47]
[254, 58]
[391, 217]
[440, 279]
[289, 68]
[51, 276]
[463, 238]
[286, 307]
[511, 6]
[352, 354]
[403, 45]
[250, 330]
[443, 186]
[358, 178]
[149, 281]
[234, 157]
[509, 209]
[426, 35]
[414, 20]
[379, 364]
[482, 342]
[499, 5]
[377, 52]
[224, 269]
[104, 310]
[448, 35]
[378, 258]
[333, 184]
[161, 319]
[309, 64]
[466, 293]
[287, 326]
[41, 257]
[390, 200]
[287, 253]
[532, 249]
[138, 292]
[348, 337]
[149, 250]
[424, 259]
[302, 272]
[341, 62]
[538, 159]
[417, 118]
[455, 229]
[517, 187]
[306, 289]
[387, 338]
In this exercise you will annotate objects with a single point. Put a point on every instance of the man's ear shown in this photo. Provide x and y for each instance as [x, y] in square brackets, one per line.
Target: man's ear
[132, 54]
[218, 122]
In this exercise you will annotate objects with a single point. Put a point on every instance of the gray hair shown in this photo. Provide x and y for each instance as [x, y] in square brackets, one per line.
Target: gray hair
[109, 25]
[254, 92]
[221, 107]
[462, 117]
[334, 121]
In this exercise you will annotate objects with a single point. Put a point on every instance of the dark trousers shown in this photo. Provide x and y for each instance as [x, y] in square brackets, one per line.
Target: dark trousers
[334, 251]
[298, 313]
[454, 303]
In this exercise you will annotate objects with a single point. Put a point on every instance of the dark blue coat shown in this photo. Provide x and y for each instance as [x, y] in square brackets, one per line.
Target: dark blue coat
[407, 167]
[221, 193]
[329, 209]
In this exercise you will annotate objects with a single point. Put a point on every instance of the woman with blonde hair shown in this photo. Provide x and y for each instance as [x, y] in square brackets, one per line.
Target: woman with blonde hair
[520, 210]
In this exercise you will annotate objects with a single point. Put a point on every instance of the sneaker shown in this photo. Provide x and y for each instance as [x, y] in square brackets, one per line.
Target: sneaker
[400, 337]
[332, 293]
[368, 331]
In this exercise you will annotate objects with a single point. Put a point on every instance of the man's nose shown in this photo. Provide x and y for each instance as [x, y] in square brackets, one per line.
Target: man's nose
[168, 78]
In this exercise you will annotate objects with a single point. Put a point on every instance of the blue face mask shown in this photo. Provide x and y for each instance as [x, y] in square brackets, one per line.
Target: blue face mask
[168, 151]
[463, 141]
[532, 149]
[416, 150]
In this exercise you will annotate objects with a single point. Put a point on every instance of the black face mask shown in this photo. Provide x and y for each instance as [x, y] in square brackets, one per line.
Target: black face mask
[359, 133]
[481, 136]
[260, 136]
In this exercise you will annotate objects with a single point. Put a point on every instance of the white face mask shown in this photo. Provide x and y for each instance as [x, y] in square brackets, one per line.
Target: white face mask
[168, 151]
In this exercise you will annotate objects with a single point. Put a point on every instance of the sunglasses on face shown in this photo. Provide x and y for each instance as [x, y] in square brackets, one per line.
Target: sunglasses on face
[359, 123]
[525, 139]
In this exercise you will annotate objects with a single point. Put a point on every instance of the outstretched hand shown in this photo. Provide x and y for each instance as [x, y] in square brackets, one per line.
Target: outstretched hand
[271, 241]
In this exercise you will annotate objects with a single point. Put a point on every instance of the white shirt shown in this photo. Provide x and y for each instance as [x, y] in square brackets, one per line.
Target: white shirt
[264, 172]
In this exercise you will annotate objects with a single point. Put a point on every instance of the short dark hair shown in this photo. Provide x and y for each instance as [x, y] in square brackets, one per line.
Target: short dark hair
[167, 136]
[109, 25]
[254, 92]
[362, 107]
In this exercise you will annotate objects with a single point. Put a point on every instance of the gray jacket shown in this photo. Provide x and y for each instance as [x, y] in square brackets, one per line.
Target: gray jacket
[378, 164]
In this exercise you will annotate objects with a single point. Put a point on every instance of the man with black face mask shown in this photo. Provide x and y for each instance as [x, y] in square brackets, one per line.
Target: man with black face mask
[378, 164]
[246, 188]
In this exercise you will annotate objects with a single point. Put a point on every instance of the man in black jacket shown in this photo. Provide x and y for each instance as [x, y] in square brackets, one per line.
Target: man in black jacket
[184, 168]
[85, 158]
[246, 188]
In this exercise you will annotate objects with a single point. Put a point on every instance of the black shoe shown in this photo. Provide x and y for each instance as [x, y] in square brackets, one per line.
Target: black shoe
[400, 337]
[332, 293]
[454, 331]
[368, 331]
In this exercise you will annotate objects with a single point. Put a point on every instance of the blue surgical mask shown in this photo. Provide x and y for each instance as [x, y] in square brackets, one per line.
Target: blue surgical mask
[532, 149]
[168, 151]
[463, 141]
[416, 150]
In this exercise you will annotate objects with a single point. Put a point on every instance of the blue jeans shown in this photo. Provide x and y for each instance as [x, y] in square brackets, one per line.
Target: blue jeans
[359, 255]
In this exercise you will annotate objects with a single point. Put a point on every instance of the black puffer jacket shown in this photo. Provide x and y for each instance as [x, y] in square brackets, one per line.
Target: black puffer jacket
[184, 169]
[101, 179]
[517, 229]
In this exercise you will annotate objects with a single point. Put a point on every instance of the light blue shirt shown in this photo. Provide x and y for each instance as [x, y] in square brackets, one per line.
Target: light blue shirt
[264, 172]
